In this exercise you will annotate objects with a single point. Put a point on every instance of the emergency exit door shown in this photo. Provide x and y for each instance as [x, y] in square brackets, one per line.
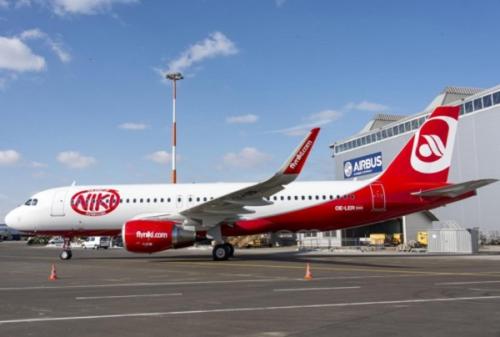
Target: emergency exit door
[378, 197]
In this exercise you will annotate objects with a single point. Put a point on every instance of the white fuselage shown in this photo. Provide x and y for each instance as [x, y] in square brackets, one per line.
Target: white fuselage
[53, 210]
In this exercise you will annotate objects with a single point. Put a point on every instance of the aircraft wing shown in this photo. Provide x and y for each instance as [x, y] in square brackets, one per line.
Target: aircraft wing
[455, 190]
[231, 206]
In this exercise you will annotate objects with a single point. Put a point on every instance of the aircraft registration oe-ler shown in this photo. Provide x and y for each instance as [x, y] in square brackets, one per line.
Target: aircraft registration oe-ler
[153, 218]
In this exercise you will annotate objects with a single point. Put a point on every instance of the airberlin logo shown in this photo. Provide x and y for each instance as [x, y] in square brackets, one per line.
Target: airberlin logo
[151, 235]
[95, 202]
[433, 145]
[300, 155]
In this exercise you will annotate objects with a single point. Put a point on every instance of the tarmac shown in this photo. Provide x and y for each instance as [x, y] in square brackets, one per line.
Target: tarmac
[260, 292]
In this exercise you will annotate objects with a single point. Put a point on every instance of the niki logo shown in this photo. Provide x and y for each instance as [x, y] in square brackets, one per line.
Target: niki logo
[433, 145]
[95, 202]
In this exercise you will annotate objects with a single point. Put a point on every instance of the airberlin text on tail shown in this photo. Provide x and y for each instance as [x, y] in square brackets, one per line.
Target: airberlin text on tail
[297, 160]
[427, 156]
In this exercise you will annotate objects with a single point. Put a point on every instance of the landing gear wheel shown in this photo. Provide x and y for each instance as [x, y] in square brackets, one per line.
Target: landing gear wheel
[220, 252]
[230, 247]
[66, 255]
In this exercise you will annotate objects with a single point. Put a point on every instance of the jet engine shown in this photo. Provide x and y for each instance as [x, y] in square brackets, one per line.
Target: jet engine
[150, 236]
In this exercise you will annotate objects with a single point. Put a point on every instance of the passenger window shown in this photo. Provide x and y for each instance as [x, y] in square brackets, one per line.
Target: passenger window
[310, 197]
[190, 199]
[155, 200]
[282, 198]
[148, 200]
[135, 200]
[478, 104]
[324, 197]
[127, 201]
[179, 200]
[205, 199]
[487, 101]
[141, 200]
[496, 98]
[168, 200]
[468, 107]
[303, 197]
[317, 197]
[198, 199]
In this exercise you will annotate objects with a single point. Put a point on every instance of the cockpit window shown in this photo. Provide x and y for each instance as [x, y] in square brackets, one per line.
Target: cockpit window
[31, 202]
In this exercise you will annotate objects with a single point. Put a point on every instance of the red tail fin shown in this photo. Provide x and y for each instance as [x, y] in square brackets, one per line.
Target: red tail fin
[427, 156]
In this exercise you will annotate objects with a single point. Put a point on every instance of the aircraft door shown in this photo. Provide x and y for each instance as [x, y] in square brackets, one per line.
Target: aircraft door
[378, 197]
[58, 201]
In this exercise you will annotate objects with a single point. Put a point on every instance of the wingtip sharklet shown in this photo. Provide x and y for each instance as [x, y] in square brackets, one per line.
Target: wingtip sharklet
[294, 164]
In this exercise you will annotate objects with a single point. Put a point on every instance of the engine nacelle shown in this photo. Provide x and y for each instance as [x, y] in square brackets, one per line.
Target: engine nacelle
[149, 236]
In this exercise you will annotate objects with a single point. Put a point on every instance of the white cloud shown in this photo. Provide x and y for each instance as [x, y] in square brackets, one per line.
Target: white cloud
[36, 164]
[366, 106]
[74, 159]
[133, 126]
[15, 55]
[216, 44]
[9, 157]
[160, 157]
[243, 119]
[248, 157]
[86, 7]
[312, 121]
[57, 48]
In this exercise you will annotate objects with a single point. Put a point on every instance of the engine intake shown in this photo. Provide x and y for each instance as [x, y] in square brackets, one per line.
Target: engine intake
[149, 236]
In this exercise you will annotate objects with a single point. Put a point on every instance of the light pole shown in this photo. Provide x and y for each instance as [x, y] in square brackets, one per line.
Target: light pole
[174, 77]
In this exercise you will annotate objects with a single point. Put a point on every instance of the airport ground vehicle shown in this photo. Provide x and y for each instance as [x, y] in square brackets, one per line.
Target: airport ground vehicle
[96, 242]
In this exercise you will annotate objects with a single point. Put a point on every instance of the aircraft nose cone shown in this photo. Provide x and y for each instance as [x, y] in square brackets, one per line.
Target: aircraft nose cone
[11, 219]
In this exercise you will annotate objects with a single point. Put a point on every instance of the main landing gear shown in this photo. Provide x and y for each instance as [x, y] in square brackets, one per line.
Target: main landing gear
[66, 254]
[222, 252]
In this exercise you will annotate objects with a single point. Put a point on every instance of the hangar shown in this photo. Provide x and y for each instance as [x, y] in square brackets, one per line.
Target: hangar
[476, 155]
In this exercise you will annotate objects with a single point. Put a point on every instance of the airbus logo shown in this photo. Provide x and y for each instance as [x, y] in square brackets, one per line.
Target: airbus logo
[368, 164]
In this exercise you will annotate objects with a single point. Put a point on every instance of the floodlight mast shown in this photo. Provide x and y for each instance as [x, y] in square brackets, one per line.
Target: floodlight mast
[174, 77]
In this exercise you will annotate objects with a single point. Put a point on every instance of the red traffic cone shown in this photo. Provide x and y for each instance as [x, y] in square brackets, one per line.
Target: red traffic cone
[53, 274]
[308, 275]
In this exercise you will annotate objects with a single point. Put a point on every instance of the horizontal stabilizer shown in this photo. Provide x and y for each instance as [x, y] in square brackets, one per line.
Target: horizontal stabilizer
[455, 190]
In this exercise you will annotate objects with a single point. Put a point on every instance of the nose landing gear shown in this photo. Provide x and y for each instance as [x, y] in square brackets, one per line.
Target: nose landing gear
[66, 254]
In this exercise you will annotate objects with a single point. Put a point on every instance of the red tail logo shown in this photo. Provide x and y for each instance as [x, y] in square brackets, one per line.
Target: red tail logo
[433, 145]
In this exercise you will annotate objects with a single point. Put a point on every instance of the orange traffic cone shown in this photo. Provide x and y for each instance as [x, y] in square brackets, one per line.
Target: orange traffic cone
[308, 275]
[53, 275]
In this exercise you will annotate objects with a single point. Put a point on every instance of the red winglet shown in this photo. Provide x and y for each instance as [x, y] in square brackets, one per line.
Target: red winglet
[299, 157]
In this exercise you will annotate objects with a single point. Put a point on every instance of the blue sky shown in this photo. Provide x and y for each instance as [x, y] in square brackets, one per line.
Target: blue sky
[82, 97]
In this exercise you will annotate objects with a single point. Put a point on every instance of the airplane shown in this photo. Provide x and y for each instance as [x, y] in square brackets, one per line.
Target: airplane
[153, 218]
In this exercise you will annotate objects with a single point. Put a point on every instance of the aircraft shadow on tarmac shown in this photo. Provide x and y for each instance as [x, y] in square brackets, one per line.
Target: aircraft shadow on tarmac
[240, 256]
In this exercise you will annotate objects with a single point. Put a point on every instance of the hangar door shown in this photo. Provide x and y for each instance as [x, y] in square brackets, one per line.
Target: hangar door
[378, 197]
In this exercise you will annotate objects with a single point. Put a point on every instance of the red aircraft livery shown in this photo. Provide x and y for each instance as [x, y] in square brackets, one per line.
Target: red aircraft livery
[152, 218]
